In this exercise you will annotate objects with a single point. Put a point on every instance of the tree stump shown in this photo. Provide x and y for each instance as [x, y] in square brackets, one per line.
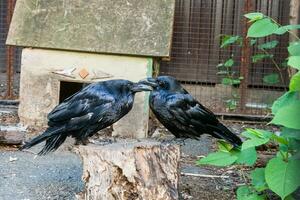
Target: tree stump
[143, 170]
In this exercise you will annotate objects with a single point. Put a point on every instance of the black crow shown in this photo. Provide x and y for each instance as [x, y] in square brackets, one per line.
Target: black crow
[93, 108]
[182, 114]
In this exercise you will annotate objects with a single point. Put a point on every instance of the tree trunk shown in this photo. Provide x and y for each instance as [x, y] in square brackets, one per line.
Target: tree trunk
[132, 170]
[294, 19]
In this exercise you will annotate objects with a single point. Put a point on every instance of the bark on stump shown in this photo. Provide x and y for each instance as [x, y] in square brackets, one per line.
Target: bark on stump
[143, 170]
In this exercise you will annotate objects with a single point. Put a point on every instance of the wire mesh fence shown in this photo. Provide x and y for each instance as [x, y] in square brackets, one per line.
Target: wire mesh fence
[9, 56]
[199, 27]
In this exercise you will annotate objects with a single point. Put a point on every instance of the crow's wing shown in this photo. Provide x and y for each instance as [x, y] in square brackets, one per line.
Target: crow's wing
[82, 104]
[188, 112]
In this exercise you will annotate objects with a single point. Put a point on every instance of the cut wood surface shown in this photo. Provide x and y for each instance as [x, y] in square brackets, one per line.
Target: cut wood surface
[133, 169]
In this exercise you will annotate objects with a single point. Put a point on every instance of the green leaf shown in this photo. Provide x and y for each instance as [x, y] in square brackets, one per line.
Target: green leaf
[258, 179]
[294, 145]
[256, 138]
[294, 61]
[290, 197]
[227, 40]
[224, 146]
[282, 177]
[247, 156]
[259, 57]
[229, 62]
[280, 155]
[218, 159]
[283, 29]
[283, 148]
[294, 49]
[262, 28]
[236, 81]
[296, 156]
[288, 116]
[286, 99]
[295, 82]
[231, 104]
[222, 72]
[244, 193]
[254, 16]
[253, 142]
[229, 81]
[257, 133]
[279, 139]
[290, 133]
[271, 78]
[268, 45]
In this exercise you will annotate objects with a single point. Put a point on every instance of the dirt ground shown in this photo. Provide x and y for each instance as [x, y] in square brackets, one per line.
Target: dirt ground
[58, 175]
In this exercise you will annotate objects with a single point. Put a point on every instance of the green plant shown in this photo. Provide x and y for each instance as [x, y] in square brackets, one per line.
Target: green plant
[265, 25]
[281, 174]
[230, 78]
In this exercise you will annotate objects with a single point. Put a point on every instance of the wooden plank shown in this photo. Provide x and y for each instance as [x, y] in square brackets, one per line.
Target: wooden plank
[120, 27]
[212, 62]
[217, 28]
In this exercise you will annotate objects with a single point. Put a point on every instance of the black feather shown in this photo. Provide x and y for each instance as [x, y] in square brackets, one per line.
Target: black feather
[183, 115]
[95, 107]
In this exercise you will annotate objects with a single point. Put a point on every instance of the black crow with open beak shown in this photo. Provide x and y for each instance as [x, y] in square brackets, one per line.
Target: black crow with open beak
[95, 107]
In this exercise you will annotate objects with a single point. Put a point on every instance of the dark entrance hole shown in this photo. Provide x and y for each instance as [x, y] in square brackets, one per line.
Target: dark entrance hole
[69, 88]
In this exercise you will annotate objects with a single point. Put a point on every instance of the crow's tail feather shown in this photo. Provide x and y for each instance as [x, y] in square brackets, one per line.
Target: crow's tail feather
[222, 132]
[53, 143]
[49, 134]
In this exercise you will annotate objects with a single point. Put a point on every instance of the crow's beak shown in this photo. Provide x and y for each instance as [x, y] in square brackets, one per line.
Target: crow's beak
[139, 87]
[149, 81]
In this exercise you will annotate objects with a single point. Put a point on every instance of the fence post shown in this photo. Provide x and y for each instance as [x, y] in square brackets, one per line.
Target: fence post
[9, 54]
[245, 58]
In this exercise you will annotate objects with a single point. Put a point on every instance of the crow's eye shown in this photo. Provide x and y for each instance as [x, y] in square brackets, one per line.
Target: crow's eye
[161, 83]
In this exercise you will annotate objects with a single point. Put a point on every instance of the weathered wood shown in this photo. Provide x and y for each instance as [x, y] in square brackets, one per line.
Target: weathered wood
[11, 137]
[143, 170]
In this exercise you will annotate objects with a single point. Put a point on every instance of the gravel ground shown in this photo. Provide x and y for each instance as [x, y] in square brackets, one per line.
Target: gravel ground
[24, 177]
